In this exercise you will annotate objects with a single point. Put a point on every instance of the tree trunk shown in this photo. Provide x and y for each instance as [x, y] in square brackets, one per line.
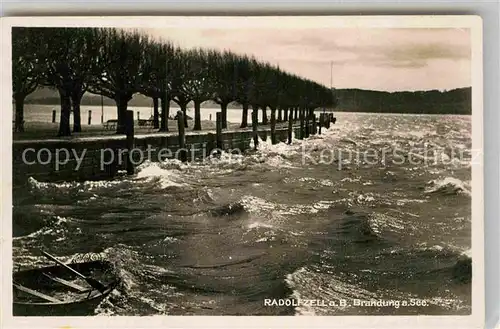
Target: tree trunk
[121, 108]
[197, 115]
[280, 114]
[285, 114]
[273, 126]
[184, 112]
[64, 128]
[156, 119]
[223, 108]
[165, 112]
[76, 98]
[264, 115]
[256, 109]
[244, 116]
[19, 121]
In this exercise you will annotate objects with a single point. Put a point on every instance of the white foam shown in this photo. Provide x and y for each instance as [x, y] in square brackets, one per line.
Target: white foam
[362, 198]
[291, 281]
[225, 158]
[81, 186]
[467, 253]
[259, 225]
[170, 239]
[168, 177]
[304, 283]
[256, 204]
[350, 180]
[448, 183]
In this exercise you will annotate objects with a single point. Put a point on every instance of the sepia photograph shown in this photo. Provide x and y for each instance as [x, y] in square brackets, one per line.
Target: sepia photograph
[278, 166]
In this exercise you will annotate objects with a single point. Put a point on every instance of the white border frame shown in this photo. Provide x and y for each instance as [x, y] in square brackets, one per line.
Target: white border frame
[476, 319]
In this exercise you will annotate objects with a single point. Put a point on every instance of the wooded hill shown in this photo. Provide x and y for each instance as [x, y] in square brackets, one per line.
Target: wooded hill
[456, 101]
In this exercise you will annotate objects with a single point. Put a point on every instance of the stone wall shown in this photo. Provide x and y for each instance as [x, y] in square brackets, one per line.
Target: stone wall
[56, 160]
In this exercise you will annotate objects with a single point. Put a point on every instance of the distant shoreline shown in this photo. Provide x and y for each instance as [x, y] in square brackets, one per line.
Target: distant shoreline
[455, 101]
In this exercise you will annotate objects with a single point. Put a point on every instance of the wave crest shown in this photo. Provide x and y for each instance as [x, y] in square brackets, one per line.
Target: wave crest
[161, 171]
[448, 186]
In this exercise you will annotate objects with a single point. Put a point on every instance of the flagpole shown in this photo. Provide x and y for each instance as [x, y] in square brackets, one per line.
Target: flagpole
[331, 79]
[331, 75]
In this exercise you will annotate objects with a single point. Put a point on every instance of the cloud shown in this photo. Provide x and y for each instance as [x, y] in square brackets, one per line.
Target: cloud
[416, 58]
[407, 53]
[396, 48]
[419, 55]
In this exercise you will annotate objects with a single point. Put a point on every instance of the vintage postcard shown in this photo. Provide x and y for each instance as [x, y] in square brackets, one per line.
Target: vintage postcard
[174, 171]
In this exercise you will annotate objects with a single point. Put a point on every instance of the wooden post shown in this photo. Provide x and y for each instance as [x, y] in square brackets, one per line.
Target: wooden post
[102, 109]
[314, 127]
[182, 136]
[129, 131]
[302, 132]
[53, 116]
[307, 117]
[273, 126]
[321, 118]
[327, 121]
[90, 117]
[218, 129]
[290, 128]
[255, 122]
[210, 117]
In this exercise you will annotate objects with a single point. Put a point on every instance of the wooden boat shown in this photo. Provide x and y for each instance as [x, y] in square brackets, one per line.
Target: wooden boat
[58, 291]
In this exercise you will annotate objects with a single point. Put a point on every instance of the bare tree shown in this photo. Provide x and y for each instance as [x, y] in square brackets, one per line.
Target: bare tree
[57, 53]
[225, 82]
[84, 66]
[261, 88]
[26, 69]
[170, 82]
[269, 84]
[245, 86]
[122, 63]
[181, 72]
[69, 56]
[157, 79]
[198, 82]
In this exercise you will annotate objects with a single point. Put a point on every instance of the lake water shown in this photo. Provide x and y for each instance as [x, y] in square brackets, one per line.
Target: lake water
[43, 113]
[221, 236]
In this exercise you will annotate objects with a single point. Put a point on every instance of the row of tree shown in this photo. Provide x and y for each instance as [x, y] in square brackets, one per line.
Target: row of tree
[118, 64]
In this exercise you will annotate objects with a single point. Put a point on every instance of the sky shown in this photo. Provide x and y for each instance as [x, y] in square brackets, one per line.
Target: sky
[390, 59]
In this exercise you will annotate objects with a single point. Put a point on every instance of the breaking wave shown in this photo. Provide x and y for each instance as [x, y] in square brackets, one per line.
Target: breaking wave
[448, 186]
